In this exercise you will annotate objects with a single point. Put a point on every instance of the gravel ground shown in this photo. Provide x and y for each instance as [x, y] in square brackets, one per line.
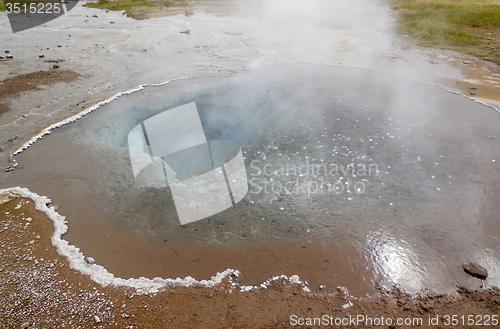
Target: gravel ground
[38, 289]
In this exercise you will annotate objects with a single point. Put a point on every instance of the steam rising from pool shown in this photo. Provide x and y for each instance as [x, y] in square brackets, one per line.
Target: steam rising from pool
[401, 171]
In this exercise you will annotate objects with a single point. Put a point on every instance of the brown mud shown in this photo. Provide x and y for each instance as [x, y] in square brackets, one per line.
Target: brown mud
[38, 289]
[12, 87]
[482, 78]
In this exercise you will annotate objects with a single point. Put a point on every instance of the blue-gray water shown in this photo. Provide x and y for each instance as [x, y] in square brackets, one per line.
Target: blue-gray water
[356, 177]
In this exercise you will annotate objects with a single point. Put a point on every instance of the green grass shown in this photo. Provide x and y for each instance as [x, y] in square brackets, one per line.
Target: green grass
[127, 4]
[2, 6]
[472, 27]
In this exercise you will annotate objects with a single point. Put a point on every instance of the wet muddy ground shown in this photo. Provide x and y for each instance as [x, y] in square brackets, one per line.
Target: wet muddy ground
[40, 290]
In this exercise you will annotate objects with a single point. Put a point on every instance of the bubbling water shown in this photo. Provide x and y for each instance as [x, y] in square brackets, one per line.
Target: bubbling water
[392, 178]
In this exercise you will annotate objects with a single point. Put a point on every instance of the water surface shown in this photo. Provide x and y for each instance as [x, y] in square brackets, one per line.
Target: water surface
[356, 177]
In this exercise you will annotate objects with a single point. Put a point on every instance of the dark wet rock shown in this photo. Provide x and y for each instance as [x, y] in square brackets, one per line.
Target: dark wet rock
[41, 56]
[475, 270]
[7, 51]
[55, 66]
[10, 56]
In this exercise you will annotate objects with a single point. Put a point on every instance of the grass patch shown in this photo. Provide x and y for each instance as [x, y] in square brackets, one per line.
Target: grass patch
[127, 5]
[472, 27]
[2, 6]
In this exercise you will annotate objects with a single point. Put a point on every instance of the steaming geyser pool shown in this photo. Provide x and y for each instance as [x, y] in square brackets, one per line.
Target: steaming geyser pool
[356, 177]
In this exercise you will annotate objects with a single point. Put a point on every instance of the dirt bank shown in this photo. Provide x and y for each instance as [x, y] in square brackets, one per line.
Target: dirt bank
[38, 289]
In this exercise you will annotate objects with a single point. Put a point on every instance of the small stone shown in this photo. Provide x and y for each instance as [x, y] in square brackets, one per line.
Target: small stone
[475, 270]
[7, 51]
[349, 304]
[9, 56]
[96, 318]
[343, 290]
[41, 56]
[95, 16]
[322, 287]
[59, 46]
[90, 260]
[25, 325]
[111, 22]
[55, 66]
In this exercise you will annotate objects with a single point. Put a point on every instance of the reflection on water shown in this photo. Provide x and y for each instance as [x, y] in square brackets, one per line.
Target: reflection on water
[397, 261]
[386, 179]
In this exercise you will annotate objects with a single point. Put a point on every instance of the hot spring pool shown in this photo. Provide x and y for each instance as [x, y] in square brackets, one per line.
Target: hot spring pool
[356, 177]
